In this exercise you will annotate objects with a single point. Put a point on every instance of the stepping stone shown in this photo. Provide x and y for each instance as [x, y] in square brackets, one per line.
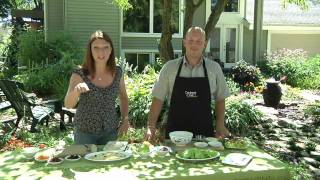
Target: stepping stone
[284, 139]
[285, 122]
[316, 171]
[304, 154]
[311, 161]
[315, 154]
[307, 95]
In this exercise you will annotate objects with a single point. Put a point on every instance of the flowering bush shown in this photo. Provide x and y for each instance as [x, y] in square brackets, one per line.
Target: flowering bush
[249, 87]
[284, 62]
[246, 75]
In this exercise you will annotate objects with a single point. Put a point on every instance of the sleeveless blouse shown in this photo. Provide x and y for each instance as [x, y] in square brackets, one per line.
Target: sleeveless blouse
[96, 109]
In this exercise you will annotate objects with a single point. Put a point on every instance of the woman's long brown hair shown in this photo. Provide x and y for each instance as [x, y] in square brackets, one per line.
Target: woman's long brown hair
[88, 65]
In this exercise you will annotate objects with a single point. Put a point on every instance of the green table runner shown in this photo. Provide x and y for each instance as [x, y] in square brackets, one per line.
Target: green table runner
[262, 167]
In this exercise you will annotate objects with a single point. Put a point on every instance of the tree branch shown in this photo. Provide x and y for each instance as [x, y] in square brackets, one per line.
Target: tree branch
[214, 17]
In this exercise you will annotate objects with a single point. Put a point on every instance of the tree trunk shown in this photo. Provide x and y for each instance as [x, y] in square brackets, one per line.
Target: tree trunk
[214, 17]
[166, 50]
[188, 17]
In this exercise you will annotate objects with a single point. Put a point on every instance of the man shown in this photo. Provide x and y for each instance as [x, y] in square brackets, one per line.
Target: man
[190, 83]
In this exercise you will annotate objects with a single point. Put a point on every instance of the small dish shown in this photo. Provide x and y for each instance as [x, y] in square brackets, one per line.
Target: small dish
[55, 160]
[73, 157]
[162, 150]
[29, 152]
[201, 144]
[41, 158]
[211, 139]
[216, 145]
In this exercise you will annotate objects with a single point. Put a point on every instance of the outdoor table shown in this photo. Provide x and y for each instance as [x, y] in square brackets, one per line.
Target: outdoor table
[262, 167]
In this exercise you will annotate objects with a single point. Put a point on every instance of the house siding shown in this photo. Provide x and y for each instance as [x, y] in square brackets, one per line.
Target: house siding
[248, 44]
[308, 42]
[83, 17]
[199, 17]
[54, 18]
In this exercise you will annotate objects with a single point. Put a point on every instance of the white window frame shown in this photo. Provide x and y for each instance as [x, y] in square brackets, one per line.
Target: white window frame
[151, 52]
[151, 33]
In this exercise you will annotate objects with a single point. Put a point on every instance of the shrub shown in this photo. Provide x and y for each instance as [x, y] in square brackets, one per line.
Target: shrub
[53, 80]
[240, 116]
[32, 48]
[62, 44]
[246, 74]
[139, 86]
[234, 87]
[314, 111]
[310, 74]
[285, 62]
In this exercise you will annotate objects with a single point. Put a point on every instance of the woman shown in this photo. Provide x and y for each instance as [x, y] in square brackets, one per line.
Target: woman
[94, 88]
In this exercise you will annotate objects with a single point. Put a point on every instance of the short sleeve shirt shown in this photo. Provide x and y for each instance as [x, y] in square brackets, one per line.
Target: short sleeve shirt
[164, 84]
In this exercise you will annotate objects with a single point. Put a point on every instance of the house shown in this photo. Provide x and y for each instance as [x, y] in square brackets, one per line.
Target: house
[136, 36]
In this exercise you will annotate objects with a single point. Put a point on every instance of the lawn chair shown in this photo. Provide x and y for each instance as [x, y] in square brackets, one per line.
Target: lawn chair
[27, 107]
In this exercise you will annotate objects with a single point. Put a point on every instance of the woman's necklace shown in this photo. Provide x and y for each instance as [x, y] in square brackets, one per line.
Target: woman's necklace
[99, 78]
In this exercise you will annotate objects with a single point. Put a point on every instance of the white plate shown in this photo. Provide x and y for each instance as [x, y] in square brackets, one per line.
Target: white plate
[115, 146]
[197, 160]
[107, 156]
[67, 158]
[47, 152]
[201, 144]
[237, 159]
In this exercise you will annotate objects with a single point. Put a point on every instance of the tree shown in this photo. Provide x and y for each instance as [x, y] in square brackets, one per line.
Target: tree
[166, 50]
[11, 49]
[5, 6]
[191, 7]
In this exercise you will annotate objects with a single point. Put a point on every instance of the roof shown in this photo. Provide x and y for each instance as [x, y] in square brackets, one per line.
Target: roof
[292, 15]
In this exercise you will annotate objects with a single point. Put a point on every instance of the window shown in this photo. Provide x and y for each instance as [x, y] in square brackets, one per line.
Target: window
[142, 59]
[143, 19]
[231, 6]
[138, 61]
[134, 20]
[158, 11]
[176, 55]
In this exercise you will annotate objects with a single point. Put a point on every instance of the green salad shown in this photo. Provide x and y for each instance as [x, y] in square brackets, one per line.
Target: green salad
[196, 153]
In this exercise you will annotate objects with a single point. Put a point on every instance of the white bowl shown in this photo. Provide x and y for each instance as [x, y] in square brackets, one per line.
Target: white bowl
[216, 144]
[76, 157]
[181, 138]
[200, 144]
[162, 150]
[209, 139]
[57, 161]
[29, 152]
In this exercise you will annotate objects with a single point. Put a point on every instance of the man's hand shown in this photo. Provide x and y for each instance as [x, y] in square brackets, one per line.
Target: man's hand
[222, 132]
[151, 134]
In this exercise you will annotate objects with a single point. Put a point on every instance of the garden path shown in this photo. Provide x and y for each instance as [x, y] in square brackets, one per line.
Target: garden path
[290, 134]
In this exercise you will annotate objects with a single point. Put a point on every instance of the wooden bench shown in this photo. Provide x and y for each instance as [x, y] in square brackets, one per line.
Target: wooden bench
[69, 112]
[5, 105]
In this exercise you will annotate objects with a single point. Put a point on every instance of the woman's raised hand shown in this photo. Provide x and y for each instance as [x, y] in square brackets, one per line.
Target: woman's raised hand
[81, 88]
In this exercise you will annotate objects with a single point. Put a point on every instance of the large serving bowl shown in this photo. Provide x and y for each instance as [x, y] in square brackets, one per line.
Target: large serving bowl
[181, 138]
[29, 152]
